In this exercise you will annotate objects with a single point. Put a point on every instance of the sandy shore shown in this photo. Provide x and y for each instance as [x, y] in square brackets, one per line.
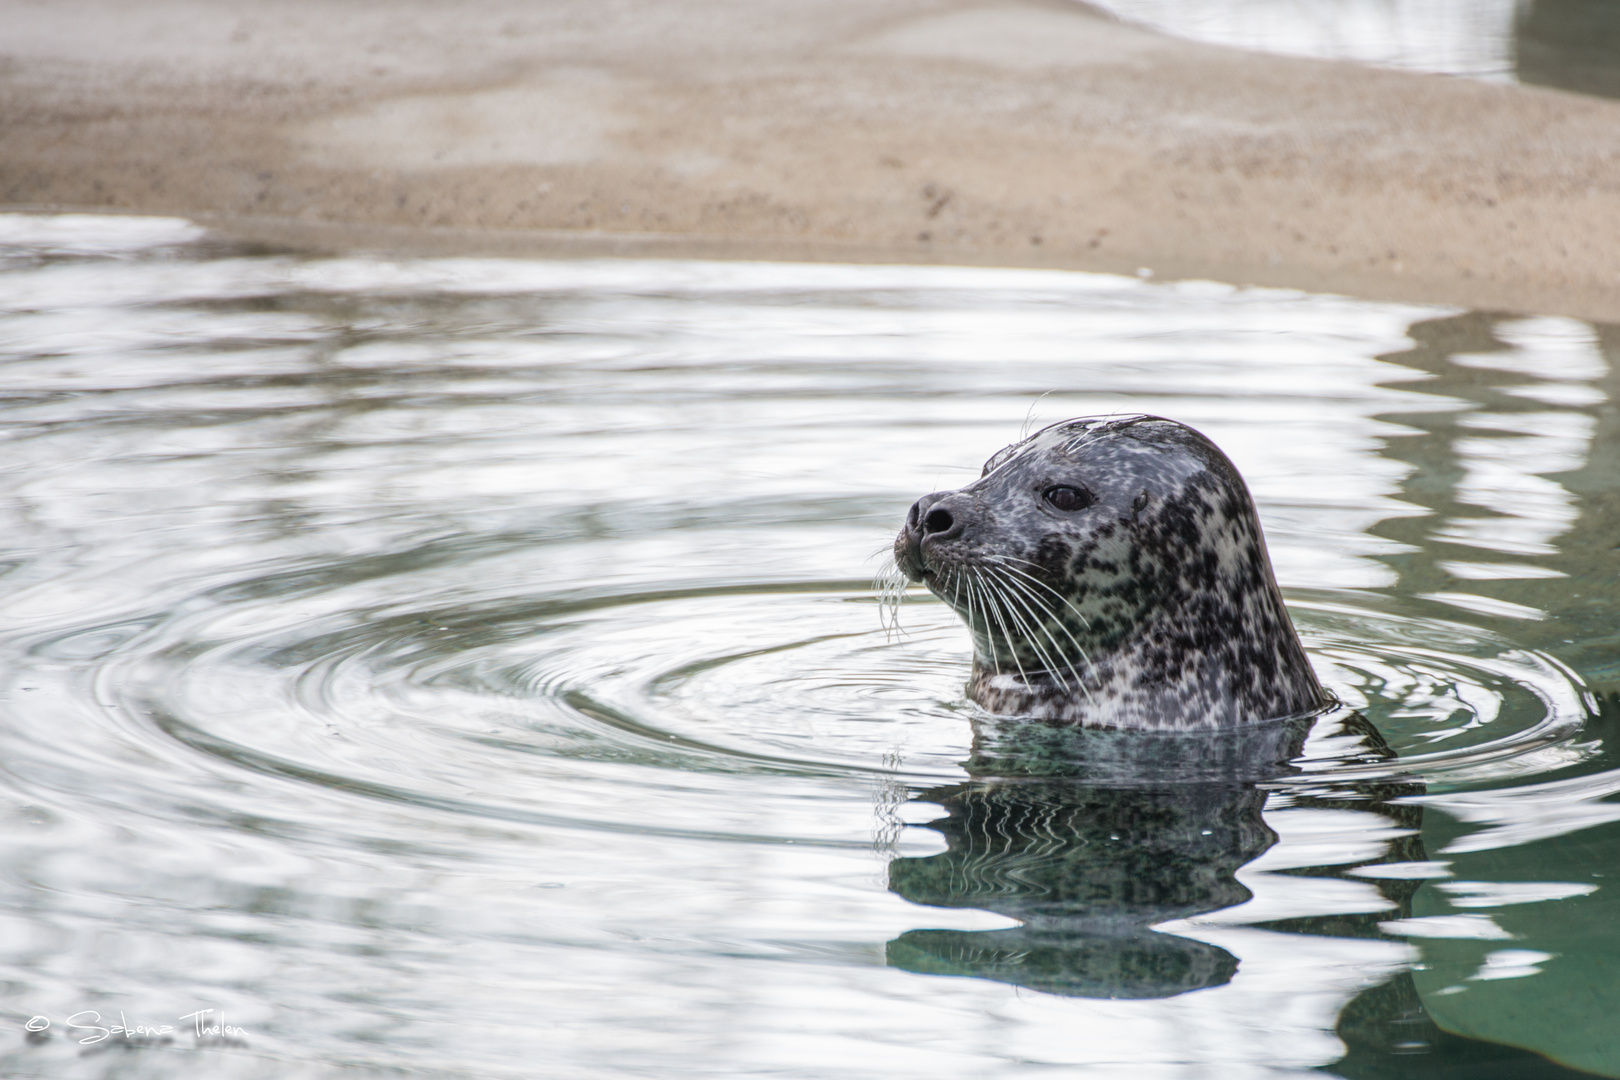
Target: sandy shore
[1011, 132]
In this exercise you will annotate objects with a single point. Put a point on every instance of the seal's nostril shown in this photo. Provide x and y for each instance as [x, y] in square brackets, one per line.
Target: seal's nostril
[938, 520]
[916, 512]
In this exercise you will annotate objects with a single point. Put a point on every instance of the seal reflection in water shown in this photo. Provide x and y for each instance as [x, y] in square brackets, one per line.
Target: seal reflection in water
[1092, 838]
[1153, 701]
[1088, 838]
[1112, 573]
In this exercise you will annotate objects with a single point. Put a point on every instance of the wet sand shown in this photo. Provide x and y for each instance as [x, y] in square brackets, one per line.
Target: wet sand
[1006, 132]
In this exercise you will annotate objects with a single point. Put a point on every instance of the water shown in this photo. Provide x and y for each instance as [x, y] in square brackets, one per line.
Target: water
[1455, 37]
[471, 668]
[1568, 44]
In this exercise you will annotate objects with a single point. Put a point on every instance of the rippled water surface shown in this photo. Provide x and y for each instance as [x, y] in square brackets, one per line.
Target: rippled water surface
[472, 668]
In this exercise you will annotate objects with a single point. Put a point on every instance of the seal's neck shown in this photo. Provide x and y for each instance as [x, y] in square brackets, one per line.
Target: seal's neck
[1214, 658]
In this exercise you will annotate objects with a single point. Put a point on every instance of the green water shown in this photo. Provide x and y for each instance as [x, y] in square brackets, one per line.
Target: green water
[470, 668]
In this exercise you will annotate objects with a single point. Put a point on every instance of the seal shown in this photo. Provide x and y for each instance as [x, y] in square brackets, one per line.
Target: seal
[1112, 573]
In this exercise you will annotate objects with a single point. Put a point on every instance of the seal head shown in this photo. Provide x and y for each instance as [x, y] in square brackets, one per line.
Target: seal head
[1112, 573]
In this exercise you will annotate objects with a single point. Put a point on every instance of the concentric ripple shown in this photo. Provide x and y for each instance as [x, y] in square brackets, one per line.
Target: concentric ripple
[560, 709]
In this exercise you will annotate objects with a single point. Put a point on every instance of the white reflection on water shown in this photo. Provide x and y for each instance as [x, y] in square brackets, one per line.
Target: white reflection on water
[1489, 894]
[1509, 466]
[1529, 812]
[1457, 37]
[1508, 472]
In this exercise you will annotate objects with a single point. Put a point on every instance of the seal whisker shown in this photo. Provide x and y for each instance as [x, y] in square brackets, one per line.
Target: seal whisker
[1038, 613]
[1005, 562]
[1020, 622]
[1025, 599]
[984, 620]
[957, 582]
[1007, 637]
[1006, 614]
[1097, 427]
[1055, 617]
[1023, 622]
[890, 586]
[1024, 587]
[1029, 417]
[985, 626]
[1034, 598]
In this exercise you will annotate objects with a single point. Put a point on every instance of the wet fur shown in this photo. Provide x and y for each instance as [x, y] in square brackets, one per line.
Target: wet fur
[1152, 608]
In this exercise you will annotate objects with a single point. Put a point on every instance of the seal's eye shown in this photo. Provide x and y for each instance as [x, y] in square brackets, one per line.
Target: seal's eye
[1067, 498]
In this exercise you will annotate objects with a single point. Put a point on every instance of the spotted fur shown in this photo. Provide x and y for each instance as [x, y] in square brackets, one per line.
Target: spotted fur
[1151, 606]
